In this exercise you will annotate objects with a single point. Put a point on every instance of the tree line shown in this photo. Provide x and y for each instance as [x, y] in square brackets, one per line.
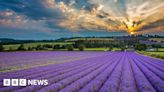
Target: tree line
[80, 47]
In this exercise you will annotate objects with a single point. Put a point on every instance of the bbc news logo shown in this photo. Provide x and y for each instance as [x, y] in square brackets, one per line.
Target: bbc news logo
[23, 82]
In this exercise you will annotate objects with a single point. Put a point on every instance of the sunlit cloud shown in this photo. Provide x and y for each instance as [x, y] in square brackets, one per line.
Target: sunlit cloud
[11, 20]
[109, 15]
[131, 16]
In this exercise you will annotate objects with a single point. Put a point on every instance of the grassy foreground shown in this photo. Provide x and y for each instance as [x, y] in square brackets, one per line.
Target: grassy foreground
[155, 54]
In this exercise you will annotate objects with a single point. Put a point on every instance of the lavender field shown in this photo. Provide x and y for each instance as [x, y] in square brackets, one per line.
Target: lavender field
[83, 71]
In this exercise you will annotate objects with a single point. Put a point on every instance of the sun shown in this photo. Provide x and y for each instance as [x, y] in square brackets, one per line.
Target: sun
[131, 30]
[131, 26]
[132, 33]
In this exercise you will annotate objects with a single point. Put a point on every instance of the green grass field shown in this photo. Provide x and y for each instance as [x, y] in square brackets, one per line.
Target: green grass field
[93, 49]
[15, 46]
[161, 49]
[155, 54]
[100, 49]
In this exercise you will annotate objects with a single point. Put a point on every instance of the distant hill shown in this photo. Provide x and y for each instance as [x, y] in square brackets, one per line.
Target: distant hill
[6, 40]
[14, 41]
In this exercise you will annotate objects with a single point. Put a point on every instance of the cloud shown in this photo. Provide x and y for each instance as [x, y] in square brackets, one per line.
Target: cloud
[11, 19]
[75, 15]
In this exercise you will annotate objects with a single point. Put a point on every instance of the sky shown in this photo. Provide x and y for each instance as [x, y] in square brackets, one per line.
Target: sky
[53, 19]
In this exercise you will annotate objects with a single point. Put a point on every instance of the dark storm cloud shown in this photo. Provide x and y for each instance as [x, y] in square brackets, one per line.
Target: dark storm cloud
[33, 9]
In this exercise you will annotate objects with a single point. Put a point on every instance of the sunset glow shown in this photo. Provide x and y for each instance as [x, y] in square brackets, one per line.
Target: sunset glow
[45, 16]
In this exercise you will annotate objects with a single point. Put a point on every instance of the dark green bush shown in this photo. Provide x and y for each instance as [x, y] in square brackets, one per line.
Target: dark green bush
[162, 57]
[141, 47]
[40, 47]
[70, 47]
[57, 46]
[81, 47]
[21, 48]
[29, 48]
[110, 48]
[1, 48]
[157, 46]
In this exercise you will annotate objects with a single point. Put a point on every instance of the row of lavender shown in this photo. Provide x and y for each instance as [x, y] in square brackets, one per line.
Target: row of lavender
[10, 61]
[108, 72]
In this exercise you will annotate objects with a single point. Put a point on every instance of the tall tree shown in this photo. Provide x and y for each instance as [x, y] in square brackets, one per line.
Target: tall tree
[1, 48]
[21, 47]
